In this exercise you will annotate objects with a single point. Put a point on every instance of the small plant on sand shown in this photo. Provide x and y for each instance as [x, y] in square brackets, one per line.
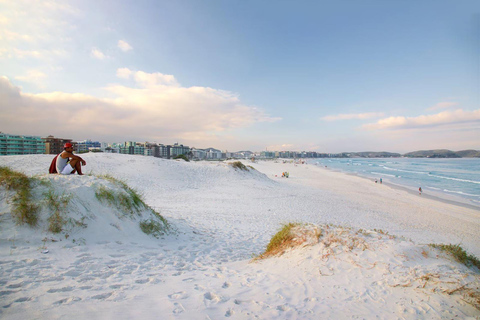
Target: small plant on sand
[290, 235]
[239, 165]
[152, 227]
[182, 156]
[121, 200]
[23, 209]
[134, 200]
[131, 201]
[58, 206]
[459, 254]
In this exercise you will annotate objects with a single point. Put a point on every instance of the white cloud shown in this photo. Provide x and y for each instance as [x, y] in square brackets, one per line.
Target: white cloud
[97, 54]
[155, 112]
[440, 119]
[124, 46]
[443, 105]
[154, 79]
[351, 116]
[33, 76]
[124, 73]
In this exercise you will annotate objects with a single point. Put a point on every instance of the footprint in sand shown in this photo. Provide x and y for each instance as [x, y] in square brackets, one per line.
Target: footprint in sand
[102, 296]
[283, 307]
[178, 308]
[64, 289]
[178, 295]
[210, 296]
[67, 300]
[229, 313]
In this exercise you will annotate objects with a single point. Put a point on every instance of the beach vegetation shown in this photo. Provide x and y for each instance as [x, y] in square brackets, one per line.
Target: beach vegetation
[58, 206]
[239, 165]
[459, 254]
[153, 227]
[182, 156]
[24, 210]
[131, 200]
[288, 236]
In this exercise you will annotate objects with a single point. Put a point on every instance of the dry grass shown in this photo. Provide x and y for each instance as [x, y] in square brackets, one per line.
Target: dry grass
[289, 236]
[459, 254]
[24, 210]
[239, 165]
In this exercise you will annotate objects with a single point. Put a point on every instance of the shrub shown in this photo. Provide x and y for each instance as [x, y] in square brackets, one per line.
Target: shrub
[459, 254]
[182, 156]
[239, 165]
[23, 209]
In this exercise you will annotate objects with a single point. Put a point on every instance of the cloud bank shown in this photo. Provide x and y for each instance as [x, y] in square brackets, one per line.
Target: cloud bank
[157, 108]
[455, 117]
[350, 116]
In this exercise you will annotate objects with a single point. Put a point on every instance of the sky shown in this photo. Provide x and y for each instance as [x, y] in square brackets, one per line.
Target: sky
[326, 76]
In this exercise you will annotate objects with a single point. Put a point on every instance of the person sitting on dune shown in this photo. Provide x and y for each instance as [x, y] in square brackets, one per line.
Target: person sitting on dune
[68, 163]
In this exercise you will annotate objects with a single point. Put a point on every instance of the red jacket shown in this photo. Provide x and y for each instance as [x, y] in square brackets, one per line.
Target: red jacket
[53, 165]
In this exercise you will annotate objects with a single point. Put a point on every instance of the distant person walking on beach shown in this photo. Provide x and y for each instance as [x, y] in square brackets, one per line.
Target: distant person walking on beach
[380, 180]
[68, 163]
[420, 190]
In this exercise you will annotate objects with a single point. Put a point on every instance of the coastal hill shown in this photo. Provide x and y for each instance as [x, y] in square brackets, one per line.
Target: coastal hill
[438, 153]
[443, 153]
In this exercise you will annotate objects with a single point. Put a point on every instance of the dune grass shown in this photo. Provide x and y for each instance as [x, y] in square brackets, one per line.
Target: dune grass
[24, 210]
[239, 165]
[131, 201]
[459, 254]
[58, 206]
[288, 236]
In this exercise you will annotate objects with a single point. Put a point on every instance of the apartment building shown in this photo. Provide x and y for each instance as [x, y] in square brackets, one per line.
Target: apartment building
[17, 145]
[87, 145]
[55, 145]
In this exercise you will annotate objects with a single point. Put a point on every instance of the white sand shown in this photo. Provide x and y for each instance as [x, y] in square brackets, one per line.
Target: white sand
[222, 217]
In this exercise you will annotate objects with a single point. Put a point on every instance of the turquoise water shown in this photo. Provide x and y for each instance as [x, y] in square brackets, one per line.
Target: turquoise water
[447, 177]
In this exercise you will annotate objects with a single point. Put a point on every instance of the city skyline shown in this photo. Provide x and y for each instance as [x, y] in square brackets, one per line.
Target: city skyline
[279, 75]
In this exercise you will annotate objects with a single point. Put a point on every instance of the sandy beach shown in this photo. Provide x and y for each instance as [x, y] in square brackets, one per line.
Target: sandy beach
[372, 261]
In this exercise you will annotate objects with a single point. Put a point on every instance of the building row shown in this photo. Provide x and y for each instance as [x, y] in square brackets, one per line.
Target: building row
[19, 145]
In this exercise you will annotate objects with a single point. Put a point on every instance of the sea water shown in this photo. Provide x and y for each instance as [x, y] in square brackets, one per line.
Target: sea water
[453, 179]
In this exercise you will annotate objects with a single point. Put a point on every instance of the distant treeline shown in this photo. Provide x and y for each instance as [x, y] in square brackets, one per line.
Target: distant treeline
[441, 153]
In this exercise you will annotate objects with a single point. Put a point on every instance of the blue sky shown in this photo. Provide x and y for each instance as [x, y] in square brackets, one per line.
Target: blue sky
[326, 76]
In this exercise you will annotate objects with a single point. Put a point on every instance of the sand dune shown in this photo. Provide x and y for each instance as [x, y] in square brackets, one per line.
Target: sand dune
[202, 268]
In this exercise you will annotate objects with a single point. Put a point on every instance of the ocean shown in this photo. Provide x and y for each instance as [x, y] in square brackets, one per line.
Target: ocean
[452, 179]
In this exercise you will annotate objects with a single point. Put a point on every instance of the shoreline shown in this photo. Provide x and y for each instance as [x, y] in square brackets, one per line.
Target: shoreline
[458, 201]
[436, 196]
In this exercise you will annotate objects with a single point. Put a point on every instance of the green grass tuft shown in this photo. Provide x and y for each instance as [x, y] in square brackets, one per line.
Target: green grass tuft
[182, 156]
[58, 206]
[23, 209]
[154, 228]
[132, 201]
[459, 254]
[239, 165]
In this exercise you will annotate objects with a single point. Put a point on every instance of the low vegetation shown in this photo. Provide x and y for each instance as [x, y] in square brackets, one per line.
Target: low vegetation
[459, 254]
[130, 201]
[24, 210]
[58, 207]
[290, 235]
[153, 227]
[182, 156]
[239, 165]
